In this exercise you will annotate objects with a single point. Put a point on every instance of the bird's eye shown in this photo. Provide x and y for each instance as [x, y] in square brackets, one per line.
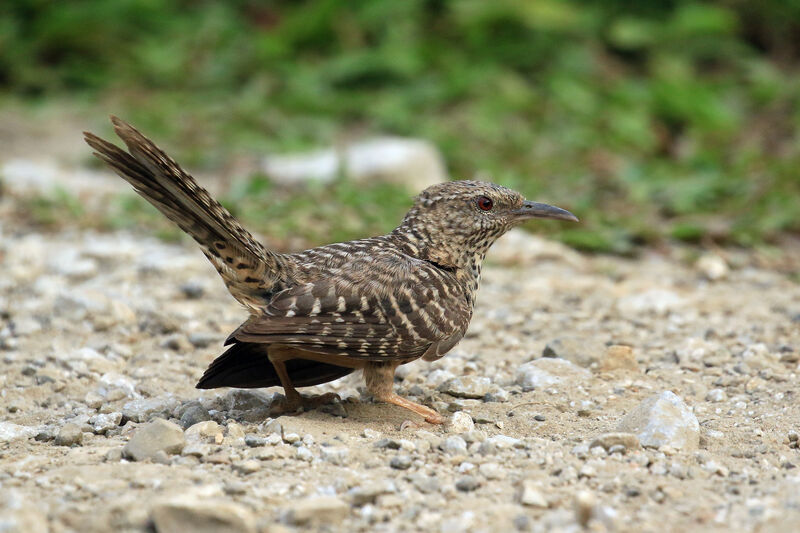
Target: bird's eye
[484, 203]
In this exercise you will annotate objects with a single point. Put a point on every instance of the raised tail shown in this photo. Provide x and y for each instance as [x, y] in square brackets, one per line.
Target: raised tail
[248, 269]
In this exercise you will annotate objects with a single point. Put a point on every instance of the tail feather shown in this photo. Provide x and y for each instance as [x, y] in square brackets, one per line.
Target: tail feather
[248, 269]
[245, 365]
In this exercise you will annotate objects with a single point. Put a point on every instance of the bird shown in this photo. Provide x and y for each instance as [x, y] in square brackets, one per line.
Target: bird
[320, 314]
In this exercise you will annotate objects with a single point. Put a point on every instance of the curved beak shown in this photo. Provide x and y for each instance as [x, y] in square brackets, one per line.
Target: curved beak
[537, 210]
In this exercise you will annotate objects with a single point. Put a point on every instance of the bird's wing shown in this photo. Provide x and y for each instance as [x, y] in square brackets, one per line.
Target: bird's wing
[368, 320]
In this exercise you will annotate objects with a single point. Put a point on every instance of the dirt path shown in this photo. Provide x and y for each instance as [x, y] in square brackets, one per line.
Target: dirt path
[103, 333]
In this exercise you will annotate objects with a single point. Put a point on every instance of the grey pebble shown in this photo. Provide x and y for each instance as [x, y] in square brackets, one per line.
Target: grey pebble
[70, 434]
[194, 414]
[468, 483]
[454, 445]
[400, 462]
[157, 436]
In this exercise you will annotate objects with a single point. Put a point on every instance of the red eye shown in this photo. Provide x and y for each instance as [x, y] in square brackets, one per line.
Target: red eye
[484, 203]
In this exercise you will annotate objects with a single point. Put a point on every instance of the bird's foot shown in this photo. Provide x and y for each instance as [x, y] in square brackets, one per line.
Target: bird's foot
[430, 416]
[294, 404]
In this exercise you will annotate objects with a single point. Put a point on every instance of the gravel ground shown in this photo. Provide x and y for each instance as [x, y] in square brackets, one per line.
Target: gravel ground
[591, 392]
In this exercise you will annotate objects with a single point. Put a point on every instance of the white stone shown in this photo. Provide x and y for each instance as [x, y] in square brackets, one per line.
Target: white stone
[663, 420]
[414, 163]
[548, 372]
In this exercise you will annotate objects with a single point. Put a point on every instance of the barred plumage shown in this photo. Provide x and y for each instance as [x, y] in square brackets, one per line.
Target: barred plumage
[322, 313]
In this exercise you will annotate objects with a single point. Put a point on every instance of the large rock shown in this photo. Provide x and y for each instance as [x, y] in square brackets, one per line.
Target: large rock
[201, 517]
[158, 436]
[663, 420]
[547, 372]
[413, 163]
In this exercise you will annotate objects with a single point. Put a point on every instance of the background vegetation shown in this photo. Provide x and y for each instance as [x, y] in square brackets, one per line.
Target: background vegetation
[651, 120]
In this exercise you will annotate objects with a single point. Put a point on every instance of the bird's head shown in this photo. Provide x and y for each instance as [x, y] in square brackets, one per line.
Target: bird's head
[455, 221]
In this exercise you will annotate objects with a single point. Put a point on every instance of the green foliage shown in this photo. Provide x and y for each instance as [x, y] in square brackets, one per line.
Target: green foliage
[650, 120]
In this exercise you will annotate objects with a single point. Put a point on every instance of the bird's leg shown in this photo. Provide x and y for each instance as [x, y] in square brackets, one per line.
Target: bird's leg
[295, 402]
[379, 378]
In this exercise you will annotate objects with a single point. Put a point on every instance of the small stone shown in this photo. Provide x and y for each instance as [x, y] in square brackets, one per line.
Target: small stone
[712, 266]
[543, 373]
[304, 454]
[202, 517]
[716, 395]
[793, 436]
[618, 357]
[291, 438]
[328, 510]
[582, 352]
[368, 493]
[628, 441]
[254, 441]
[663, 419]
[202, 339]
[9, 431]
[192, 290]
[529, 494]
[247, 467]
[159, 435]
[273, 427]
[93, 400]
[336, 455]
[103, 423]
[70, 434]
[400, 462]
[491, 471]
[466, 387]
[177, 342]
[143, 409]
[194, 414]
[371, 434]
[584, 504]
[454, 446]
[468, 483]
[205, 432]
[461, 422]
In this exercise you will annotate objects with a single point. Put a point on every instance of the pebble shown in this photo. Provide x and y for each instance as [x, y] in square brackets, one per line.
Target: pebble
[461, 422]
[529, 494]
[70, 434]
[103, 423]
[454, 445]
[468, 483]
[712, 266]
[618, 357]
[369, 492]
[582, 352]
[607, 441]
[193, 414]
[157, 436]
[204, 516]
[327, 510]
[304, 454]
[336, 455]
[247, 467]
[143, 409]
[466, 387]
[543, 373]
[204, 432]
[400, 462]
[9, 431]
[716, 395]
[491, 471]
[254, 441]
[584, 505]
[663, 419]
[203, 339]
[177, 342]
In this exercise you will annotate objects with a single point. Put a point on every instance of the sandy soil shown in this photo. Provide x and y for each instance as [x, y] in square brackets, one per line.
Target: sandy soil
[103, 333]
